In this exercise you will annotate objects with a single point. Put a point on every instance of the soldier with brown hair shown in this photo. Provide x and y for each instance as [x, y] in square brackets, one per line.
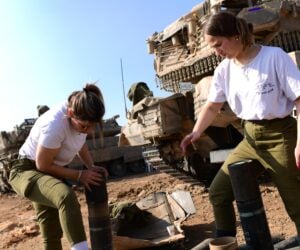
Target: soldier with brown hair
[262, 85]
[54, 140]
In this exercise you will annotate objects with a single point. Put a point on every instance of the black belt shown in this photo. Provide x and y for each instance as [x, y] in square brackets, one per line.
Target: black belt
[23, 163]
[21, 157]
[265, 121]
[25, 158]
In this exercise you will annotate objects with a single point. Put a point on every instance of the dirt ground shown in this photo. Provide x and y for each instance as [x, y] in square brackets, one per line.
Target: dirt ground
[18, 229]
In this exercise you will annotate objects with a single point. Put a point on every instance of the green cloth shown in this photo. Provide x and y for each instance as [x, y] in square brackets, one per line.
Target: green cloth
[128, 218]
[58, 211]
[117, 208]
[272, 143]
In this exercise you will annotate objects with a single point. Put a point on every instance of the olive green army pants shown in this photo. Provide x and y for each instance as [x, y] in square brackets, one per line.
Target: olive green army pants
[56, 205]
[272, 143]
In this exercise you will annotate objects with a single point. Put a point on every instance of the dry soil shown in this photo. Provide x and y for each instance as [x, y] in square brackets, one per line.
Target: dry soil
[18, 229]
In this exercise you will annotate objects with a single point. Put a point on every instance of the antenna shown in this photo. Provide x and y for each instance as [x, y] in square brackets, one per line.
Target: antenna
[123, 87]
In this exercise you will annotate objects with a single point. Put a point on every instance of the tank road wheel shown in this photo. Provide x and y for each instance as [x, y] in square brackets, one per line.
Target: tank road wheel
[117, 168]
[137, 167]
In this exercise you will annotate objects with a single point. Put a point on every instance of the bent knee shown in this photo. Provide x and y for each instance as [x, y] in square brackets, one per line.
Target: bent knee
[67, 197]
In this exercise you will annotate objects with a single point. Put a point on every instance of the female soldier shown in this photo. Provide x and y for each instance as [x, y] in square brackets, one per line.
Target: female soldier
[56, 137]
[261, 85]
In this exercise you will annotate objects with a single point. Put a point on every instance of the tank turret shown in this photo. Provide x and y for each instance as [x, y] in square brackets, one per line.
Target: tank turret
[181, 54]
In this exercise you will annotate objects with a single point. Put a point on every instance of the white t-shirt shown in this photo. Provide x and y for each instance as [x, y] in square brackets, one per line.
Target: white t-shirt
[265, 88]
[53, 130]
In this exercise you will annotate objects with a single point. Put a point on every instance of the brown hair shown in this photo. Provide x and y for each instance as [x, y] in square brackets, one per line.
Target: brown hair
[87, 104]
[228, 25]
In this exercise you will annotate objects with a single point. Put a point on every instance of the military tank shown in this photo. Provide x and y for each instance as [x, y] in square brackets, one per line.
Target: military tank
[184, 65]
[10, 142]
[106, 152]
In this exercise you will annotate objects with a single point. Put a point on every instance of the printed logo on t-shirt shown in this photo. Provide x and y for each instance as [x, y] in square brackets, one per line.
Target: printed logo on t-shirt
[265, 88]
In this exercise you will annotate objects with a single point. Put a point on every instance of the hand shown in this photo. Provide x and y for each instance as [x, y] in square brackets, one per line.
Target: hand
[100, 169]
[92, 176]
[187, 140]
[297, 156]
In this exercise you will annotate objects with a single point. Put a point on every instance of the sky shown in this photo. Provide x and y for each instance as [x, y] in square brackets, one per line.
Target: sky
[50, 48]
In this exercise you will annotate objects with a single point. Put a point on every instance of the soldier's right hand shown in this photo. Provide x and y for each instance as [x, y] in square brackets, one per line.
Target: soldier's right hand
[189, 139]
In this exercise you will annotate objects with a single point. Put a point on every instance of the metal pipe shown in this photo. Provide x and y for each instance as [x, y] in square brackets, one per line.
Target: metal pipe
[98, 217]
[243, 176]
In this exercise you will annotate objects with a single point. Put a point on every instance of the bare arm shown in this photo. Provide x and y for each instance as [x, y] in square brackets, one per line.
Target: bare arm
[45, 163]
[205, 118]
[85, 156]
[87, 160]
[297, 149]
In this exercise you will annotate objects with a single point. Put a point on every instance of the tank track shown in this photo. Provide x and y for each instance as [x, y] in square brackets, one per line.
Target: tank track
[153, 158]
[288, 41]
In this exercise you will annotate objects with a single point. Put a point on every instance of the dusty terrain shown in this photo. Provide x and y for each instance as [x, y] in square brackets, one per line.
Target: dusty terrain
[18, 229]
